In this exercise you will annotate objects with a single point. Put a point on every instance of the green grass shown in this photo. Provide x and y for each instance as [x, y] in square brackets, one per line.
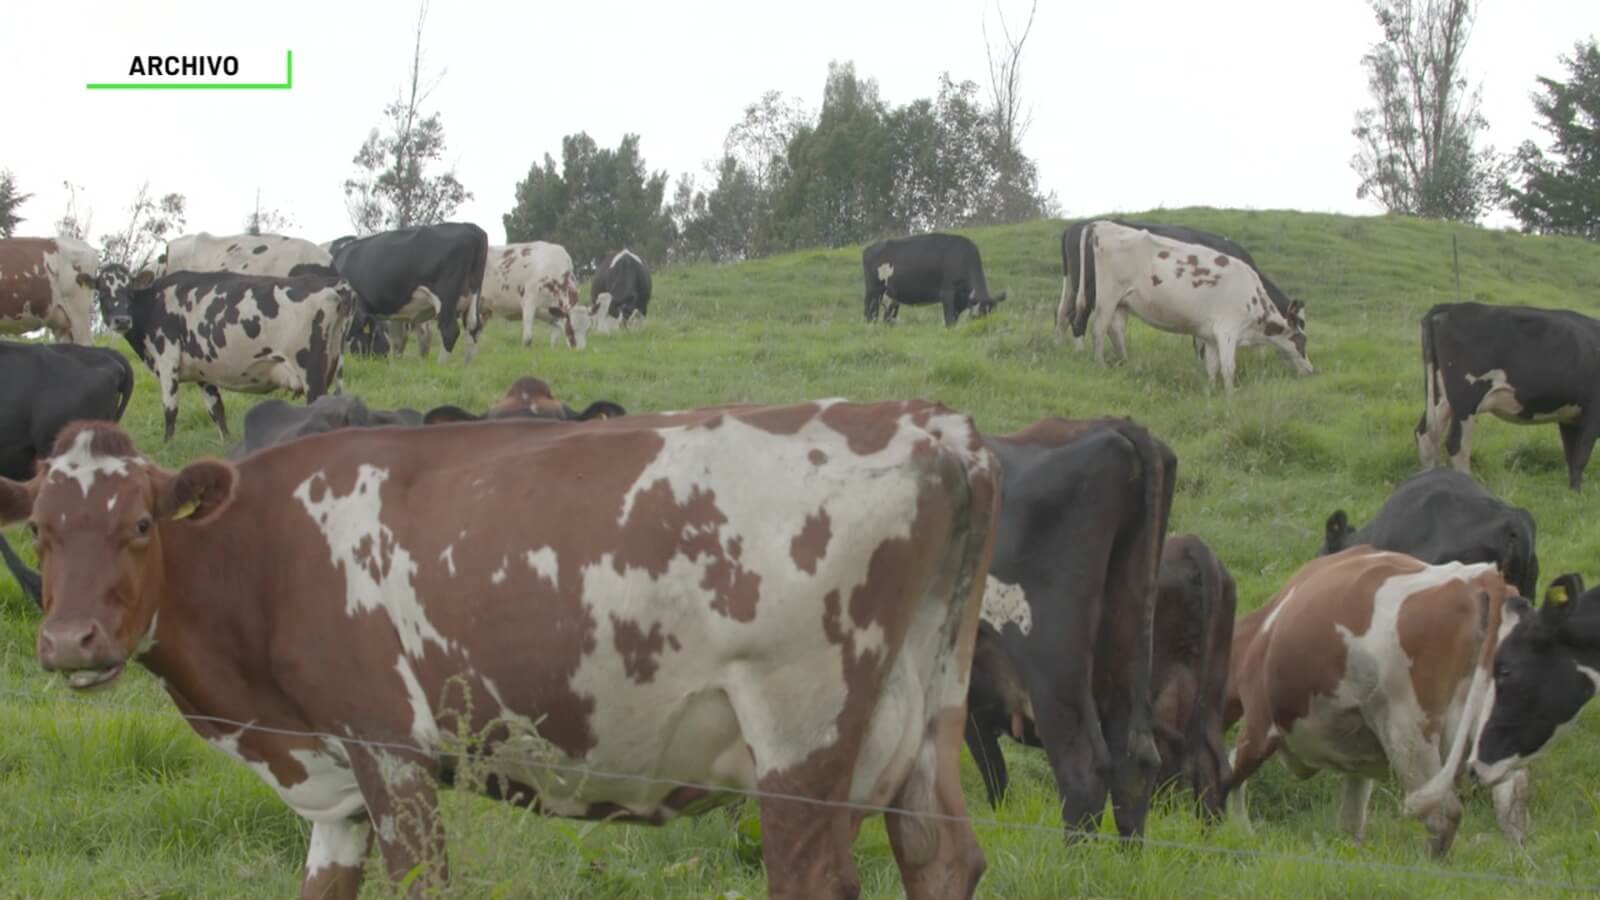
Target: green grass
[113, 796]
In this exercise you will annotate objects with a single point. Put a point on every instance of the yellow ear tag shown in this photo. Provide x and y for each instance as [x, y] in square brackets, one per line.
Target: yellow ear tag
[1556, 595]
[186, 510]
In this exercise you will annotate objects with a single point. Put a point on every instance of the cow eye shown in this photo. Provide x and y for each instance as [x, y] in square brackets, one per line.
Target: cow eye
[143, 525]
[33, 530]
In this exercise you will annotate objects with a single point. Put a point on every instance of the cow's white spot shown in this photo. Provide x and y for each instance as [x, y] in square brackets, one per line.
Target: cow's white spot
[147, 641]
[1501, 401]
[112, 503]
[499, 575]
[341, 844]
[448, 557]
[885, 271]
[328, 794]
[424, 729]
[378, 571]
[629, 254]
[81, 464]
[543, 562]
[1006, 604]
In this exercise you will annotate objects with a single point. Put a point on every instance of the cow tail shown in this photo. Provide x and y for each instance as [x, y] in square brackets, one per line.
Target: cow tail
[1430, 426]
[124, 387]
[1426, 799]
[28, 579]
[1223, 601]
[1158, 477]
[1066, 282]
[1086, 281]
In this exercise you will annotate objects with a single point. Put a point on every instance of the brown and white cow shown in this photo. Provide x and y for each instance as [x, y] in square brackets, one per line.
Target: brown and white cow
[534, 280]
[627, 598]
[1190, 289]
[47, 283]
[1370, 661]
[247, 254]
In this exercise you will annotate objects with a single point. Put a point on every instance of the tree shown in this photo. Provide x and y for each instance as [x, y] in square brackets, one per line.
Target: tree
[600, 201]
[151, 221]
[1419, 152]
[269, 221]
[392, 187]
[722, 225]
[1015, 196]
[74, 223]
[10, 199]
[1560, 193]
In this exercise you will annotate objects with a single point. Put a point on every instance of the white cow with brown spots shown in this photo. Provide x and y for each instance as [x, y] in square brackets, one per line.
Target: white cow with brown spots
[47, 283]
[1188, 289]
[1369, 661]
[535, 281]
[247, 254]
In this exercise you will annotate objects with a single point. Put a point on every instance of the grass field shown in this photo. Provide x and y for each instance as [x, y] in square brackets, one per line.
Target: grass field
[112, 795]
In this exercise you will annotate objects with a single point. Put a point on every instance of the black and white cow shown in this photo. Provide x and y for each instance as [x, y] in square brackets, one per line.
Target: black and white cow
[273, 421]
[1546, 668]
[249, 333]
[1441, 516]
[1070, 605]
[1524, 365]
[430, 272]
[623, 275]
[926, 268]
[1078, 274]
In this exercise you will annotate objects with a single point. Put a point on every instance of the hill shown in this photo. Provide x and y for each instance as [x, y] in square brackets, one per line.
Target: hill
[112, 794]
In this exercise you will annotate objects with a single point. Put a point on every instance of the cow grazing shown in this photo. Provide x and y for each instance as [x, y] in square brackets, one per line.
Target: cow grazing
[1369, 661]
[1078, 275]
[1189, 673]
[926, 268]
[618, 598]
[431, 272]
[1071, 597]
[1546, 669]
[535, 281]
[247, 254]
[1441, 516]
[527, 398]
[624, 277]
[1186, 289]
[1526, 366]
[47, 283]
[249, 333]
[272, 421]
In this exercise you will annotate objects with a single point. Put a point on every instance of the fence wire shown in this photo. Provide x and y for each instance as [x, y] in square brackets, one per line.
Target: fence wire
[976, 822]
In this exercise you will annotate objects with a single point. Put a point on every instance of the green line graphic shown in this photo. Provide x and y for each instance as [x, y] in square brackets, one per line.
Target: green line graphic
[286, 84]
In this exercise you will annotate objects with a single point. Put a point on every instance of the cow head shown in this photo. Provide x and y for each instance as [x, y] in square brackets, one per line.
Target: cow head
[98, 510]
[1546, 668]
[117, 290]
[527, 398]
[1286, 332]
[1336, 533]
[982, 306]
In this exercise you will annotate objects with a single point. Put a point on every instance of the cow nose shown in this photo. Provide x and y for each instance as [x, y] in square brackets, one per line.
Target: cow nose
[121, 323]
[69, 646]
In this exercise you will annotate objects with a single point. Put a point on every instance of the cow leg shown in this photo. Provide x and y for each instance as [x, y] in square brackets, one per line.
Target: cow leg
[1577, 442]
[1099, 325]
[403, 802]
[169, 401]
[984, 745]
[1227, 352]
[1119, 332]
[1255, 745]
[932, 840]
[891, 312]
[1415, 761]
[527, 322]
[1069, 727]
[1212, 360]
[472, 347]
[336, 859]
[425, 339]
[1459, 444]
[872, 301]
[213, 398]
[806, 847]
[1353, 802]
[1511, 806]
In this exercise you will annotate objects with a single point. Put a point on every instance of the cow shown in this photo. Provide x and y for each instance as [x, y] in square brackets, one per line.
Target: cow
[623, 276]
[420, 274]
[48, 283]
[609, 630]
[1193, 629]
[535, 281]
[1070, 598]
[1546, 668]
[1441, 515]
[926, 268]
[247, 254]
[1369, 661]
[273, 421]
[249, 333]
[1186, 289]
[1078, 277]
[527, 398]
[1524, 365]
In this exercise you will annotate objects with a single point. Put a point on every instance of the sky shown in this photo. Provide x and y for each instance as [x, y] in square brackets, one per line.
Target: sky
[1135, 105]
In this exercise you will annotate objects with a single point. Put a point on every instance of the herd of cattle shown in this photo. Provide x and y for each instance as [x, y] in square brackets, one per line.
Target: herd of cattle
[636, 592]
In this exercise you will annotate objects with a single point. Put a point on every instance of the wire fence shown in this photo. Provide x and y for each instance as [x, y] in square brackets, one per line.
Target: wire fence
[977, 822]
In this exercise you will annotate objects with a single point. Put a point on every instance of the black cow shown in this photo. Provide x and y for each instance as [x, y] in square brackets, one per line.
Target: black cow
[926, 268]
[422, 273]
[1070, 600]
[626, 279]
[272, 422]
[1545, 670]
[1524, 365]
[42, 388]
[1442, 516]
[527, 398]
[1078, 265]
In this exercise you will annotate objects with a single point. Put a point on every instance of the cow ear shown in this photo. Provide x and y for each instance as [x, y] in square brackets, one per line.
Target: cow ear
[144, 279]
[442, 415]
[16, 501]
[199, 492]
[601, 409]
[85, 280]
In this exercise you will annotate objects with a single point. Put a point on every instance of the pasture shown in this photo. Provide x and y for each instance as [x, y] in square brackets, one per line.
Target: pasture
[112, 795]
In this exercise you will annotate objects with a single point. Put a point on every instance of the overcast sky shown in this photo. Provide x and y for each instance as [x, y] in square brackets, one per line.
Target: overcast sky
[1233, 103]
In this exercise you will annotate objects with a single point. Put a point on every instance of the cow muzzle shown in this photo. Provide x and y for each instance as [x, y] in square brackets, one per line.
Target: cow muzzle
[81, 650]
[120, 324]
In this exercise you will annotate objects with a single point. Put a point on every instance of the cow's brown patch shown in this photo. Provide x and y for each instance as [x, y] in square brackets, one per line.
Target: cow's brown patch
[1155, 280]
[1221, 261]
[865, 428]
[811, 544]
[817, 457]
[526, 251]
[1273, 329]
[1193, 260]
[781, 419]
[637, 649]
[1163, 255]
